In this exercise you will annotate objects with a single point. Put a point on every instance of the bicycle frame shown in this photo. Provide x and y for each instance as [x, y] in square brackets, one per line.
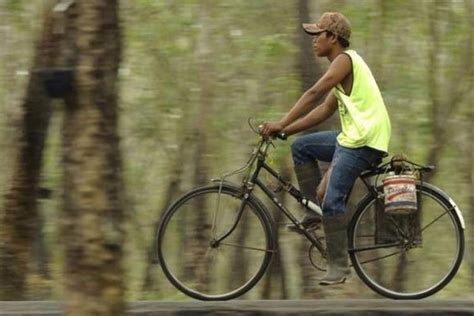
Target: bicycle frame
[296, 194]
[259, 155]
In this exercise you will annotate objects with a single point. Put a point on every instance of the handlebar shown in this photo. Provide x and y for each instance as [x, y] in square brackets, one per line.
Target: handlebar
[282, 136]
[250, 121]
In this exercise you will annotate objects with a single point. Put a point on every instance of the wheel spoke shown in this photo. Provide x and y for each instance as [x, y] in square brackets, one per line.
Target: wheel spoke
[380, 258]
[433, 221]
[246, 247]
[368, 248]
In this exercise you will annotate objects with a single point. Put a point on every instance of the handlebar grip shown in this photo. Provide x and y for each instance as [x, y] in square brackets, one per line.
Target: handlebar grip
[282, 136]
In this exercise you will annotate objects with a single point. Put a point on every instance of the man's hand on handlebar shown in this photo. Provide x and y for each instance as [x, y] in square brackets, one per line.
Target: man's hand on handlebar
[269, 129]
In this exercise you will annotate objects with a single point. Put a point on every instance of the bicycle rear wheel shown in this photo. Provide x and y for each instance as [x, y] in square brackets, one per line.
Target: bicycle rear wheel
[193, 257]
[406, 263]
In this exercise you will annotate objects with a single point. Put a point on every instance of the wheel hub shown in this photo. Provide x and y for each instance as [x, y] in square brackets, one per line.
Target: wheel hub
[214, 243]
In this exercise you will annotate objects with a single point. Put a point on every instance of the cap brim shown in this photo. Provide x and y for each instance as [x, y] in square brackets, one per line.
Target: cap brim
[312, 29]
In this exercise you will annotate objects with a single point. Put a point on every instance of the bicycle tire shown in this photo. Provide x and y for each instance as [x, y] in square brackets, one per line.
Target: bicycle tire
[189, 275]
[433, 196]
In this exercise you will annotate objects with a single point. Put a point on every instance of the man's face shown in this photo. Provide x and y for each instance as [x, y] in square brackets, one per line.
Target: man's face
[321, 44]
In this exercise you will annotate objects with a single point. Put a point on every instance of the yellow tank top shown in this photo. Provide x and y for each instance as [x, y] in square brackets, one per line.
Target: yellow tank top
[364, 118]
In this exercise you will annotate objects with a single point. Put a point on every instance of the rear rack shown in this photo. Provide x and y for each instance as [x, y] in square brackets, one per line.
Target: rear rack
[388, 167]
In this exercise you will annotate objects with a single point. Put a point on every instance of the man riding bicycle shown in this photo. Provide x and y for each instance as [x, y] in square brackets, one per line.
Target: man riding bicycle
[364, 138]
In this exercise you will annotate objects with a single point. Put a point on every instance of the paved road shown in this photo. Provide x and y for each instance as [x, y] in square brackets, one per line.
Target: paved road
[267, 307]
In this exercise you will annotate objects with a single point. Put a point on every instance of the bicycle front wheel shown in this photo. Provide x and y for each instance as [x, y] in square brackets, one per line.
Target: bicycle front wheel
[215, 244]
[407, 256]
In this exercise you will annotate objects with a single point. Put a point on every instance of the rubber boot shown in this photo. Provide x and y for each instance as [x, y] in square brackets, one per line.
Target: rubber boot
[335, 230]
[309, 177]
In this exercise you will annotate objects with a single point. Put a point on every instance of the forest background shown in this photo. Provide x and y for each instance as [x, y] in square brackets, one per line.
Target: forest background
[191, 74]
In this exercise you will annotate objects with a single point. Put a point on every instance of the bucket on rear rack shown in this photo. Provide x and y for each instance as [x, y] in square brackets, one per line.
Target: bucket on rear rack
[400, 194]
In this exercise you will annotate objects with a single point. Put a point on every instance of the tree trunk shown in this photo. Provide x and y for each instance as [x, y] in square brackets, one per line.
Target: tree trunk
[93, 229]
[399, 277]
[201, 167]
[238, 270]
[40, 251]
[379, 36]
[271, 289]
[310, 71]
[469, 161]
[457, 87]
[438, 135]
[18, 219]
[307, 66]
[471, 196]
[171, 193]
[277, 273]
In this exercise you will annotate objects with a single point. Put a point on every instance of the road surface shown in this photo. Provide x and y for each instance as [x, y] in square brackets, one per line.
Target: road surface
[264, 307]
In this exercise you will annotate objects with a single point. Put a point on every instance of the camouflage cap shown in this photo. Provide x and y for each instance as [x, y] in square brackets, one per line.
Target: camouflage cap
[333, 22]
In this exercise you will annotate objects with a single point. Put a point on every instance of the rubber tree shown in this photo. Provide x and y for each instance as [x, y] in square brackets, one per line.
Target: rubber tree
[93, 231]
[19, 215]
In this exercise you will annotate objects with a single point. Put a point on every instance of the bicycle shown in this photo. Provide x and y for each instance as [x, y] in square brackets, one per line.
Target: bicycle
[226, 236]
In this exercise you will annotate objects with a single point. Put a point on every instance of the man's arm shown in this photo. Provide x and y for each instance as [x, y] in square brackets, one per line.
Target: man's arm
[338, 70]
[316, 116]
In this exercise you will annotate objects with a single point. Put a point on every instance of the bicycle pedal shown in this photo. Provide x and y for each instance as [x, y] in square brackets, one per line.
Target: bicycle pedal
[310, 229]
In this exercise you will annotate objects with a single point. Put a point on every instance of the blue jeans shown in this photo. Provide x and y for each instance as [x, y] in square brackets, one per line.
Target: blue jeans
[347, 164]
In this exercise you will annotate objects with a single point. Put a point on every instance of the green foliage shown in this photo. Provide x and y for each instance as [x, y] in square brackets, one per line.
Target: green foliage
[14, 6]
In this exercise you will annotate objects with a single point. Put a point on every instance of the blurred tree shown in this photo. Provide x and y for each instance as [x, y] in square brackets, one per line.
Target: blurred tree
[446, 89]
[379, 30]
[172, 192]
[93, 194]
[205, 75]
[276, 281]
[19, 217]
[200, 167]
[468, 169]
[310, 71]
